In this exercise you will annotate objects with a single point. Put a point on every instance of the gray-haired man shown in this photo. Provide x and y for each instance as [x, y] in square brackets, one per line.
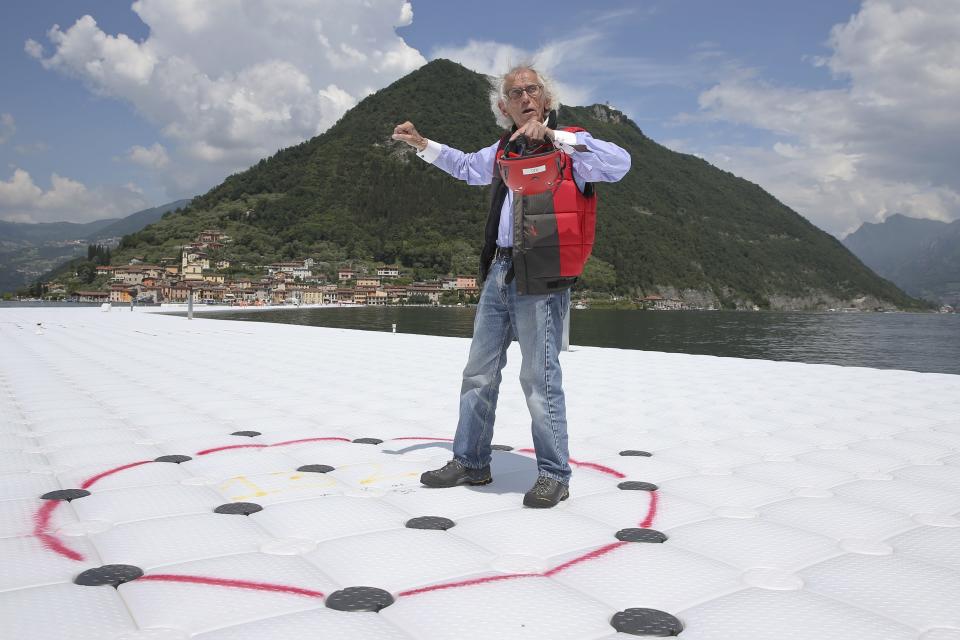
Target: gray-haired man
[531, 306]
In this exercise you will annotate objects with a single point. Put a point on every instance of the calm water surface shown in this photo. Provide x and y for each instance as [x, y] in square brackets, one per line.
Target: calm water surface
[914, 341]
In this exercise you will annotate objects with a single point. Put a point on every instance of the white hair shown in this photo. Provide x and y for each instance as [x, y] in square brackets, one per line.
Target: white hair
[498, 93]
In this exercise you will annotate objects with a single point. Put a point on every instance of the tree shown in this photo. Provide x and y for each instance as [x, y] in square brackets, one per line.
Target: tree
[86, 272]
[597, 276]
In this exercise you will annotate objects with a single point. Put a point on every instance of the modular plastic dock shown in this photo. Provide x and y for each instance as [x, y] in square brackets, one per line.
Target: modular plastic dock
[165, 478]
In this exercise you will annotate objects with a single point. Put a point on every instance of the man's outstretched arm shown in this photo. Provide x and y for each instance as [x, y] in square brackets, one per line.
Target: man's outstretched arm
[473, 168]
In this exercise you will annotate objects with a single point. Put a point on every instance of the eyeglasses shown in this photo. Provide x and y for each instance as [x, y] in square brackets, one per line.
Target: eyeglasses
[532, 90]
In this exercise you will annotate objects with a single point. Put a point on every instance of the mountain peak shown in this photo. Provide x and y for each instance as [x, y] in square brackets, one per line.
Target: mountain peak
[673, 225]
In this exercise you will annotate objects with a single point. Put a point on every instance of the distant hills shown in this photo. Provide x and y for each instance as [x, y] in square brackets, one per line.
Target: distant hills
[920, 256]
[19, 233]
[675, 226]
[29, 250]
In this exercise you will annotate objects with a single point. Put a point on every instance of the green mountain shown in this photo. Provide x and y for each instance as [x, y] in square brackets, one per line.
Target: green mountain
[921, 256]
[675, 225]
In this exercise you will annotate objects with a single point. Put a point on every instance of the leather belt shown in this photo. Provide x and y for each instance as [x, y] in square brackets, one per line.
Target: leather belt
[503, 252]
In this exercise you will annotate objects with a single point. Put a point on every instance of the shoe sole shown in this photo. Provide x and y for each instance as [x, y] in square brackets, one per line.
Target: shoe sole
[543, 504]
[439, 485]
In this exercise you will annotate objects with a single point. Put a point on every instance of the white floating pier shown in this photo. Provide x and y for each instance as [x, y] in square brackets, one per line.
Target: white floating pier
[220, 480]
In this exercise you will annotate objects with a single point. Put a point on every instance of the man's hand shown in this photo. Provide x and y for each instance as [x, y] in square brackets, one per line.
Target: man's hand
[406, 132]
[535, 131]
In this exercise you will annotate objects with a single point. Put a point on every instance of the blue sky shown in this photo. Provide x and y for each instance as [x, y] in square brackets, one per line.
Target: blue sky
[841, 108]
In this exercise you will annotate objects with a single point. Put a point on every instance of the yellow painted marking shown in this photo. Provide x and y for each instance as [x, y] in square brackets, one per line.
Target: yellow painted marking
[251, 490]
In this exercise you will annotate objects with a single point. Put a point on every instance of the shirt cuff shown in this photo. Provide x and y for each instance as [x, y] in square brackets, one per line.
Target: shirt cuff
[431, 152]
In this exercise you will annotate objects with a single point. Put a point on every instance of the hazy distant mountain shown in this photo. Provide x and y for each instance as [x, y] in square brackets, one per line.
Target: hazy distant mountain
[14, 234]
[136, 221]
[30, 250]
[920, 256]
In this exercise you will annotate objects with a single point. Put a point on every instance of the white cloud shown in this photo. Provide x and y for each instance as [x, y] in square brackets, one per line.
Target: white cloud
[588, 61]
[232, 81]
[582, 65]
[19, 191]
[154, 156]
[21, 200]
[886, 143]
[7, 127]
[33, 48]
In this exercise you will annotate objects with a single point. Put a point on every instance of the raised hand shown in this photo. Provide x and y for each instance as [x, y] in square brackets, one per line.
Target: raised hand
[408, 133]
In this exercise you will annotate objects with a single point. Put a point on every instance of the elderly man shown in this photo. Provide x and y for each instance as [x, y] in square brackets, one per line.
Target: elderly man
[527, 280]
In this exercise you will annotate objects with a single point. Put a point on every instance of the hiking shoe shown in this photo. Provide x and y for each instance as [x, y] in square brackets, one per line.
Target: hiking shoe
[546, 493]
[453, 473]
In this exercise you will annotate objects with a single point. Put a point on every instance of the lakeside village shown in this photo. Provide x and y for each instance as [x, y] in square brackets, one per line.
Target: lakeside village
[302, 282]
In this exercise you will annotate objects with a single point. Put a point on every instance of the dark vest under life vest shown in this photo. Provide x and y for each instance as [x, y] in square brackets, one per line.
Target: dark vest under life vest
[553, 231]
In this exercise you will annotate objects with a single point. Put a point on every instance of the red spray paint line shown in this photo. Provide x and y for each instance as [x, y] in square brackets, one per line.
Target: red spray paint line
[651, 510]
[468, 583]
[41, 524]
[237, 584]
[588, 465]
[332, 439]
[598, 467]
[232, 446]
[276, 444]
[596, 553]
[43, 515]
[89, 482]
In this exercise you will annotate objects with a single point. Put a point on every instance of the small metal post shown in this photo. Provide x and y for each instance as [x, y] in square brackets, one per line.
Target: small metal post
[190, 303]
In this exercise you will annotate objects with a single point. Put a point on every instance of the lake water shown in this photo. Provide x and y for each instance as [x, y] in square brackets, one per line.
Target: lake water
[914, 341]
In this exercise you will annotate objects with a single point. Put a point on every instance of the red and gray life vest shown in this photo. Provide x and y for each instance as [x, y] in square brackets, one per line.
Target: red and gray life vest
[553, 231]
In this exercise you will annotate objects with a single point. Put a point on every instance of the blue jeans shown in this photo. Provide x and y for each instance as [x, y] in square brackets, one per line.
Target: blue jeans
[537, 322]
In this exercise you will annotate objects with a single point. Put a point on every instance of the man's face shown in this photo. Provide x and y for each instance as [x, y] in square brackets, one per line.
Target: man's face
[523, 108]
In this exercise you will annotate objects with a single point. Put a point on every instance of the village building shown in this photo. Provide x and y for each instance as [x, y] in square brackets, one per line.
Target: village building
[174, 292]
[377, 298]
[128, 276]
[210, 235]
[312, 295]
[466, 282]
[92, 296]
[388, 272]
[294, 269]
[367, 281]
[120, 293]
[659, 303]
[395, 295]
[428, 289]
[192, 272]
